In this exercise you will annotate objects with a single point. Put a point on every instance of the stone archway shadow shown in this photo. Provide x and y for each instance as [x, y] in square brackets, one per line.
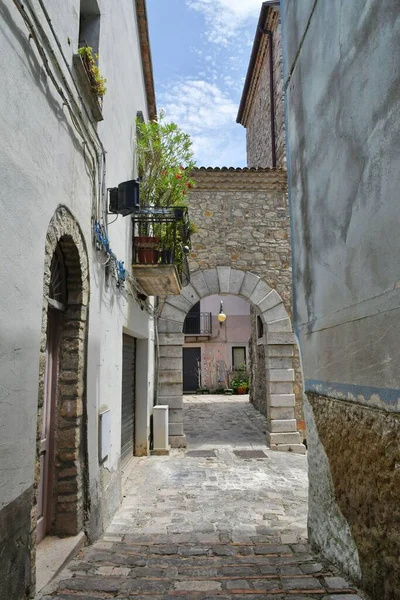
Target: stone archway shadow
[278, 338]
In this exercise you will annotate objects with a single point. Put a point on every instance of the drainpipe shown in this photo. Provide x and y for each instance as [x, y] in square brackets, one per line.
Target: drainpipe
[272, 94]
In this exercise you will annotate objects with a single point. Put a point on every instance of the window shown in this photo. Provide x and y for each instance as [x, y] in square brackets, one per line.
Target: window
[238, 357]
[260, 328]
[89, 25]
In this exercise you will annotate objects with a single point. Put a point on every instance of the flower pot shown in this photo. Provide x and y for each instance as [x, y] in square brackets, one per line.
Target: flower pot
[167, 257]
[146, 250]
[179, 212]
[242, 390]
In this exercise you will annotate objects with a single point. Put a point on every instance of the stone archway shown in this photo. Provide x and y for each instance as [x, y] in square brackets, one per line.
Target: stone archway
[278, 338]
[69, 499]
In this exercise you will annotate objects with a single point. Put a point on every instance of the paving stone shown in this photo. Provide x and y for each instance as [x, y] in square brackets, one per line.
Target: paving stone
[198, 586]
[311, 568]
[303, 583]
[237, 584]
[206, 525]
[336, 583]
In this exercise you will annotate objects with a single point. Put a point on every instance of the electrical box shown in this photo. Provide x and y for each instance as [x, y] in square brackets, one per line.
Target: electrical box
[125, 199]
[104, 434]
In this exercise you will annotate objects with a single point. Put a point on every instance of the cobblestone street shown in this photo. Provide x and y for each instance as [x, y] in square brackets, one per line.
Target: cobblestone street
[225, 519]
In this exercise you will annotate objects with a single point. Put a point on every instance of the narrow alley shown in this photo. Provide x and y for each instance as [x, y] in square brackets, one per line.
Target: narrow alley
[226, 518]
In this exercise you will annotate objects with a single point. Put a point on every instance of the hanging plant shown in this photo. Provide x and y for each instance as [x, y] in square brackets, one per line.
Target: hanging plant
[90, 60]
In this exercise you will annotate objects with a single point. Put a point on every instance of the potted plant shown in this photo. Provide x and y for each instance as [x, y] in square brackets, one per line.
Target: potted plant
[240, 382]
[97, 82]
[165, 162]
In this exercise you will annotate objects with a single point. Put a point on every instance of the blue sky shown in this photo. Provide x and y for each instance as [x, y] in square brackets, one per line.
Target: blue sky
[201, 51]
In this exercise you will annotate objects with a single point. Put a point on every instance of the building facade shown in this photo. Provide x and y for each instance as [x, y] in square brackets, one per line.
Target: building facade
[262, 113]
[342, 77]
[235, 254]
[77, 349]
[214, 351]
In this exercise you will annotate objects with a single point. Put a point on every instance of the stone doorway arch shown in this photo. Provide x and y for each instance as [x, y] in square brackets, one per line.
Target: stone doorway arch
[68, 498]
[278, 339]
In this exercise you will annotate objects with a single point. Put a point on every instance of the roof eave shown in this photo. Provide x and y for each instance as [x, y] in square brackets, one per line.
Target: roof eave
[147, 65]
[253, 57]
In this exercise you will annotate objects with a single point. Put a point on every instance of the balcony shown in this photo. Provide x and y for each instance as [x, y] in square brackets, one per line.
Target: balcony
[198, 326]
[161, 243]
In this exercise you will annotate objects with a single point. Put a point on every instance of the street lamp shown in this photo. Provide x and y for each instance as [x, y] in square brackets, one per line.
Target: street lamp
[221, 315]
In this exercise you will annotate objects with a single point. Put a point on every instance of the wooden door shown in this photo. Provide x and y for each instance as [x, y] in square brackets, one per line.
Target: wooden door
[45, 488]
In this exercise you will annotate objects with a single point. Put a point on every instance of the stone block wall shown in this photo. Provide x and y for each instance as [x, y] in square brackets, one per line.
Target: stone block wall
[242, 218]
[354, 513]
[247, 228]
[257, 114]
[241, 247]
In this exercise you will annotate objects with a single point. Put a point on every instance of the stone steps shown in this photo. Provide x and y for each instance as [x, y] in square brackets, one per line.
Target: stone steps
[200, 571]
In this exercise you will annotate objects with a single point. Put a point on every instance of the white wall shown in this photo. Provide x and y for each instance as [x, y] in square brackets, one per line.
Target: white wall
[41, 167]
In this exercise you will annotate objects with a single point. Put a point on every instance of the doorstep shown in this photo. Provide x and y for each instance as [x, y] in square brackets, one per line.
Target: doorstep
[52, 554]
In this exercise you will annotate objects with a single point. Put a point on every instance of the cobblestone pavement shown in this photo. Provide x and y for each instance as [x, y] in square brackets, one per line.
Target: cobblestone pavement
[223, 520]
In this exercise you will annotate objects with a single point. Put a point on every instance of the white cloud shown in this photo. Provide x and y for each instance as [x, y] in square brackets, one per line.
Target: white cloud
[225, 18]
[208, 114]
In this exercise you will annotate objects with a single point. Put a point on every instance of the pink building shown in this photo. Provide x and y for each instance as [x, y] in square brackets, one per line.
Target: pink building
[213, 350]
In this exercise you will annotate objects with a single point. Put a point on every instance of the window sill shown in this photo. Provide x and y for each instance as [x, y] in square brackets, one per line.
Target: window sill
[92, 100]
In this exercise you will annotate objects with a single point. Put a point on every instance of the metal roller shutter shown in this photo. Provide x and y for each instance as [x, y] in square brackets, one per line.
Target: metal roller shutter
[128, 397]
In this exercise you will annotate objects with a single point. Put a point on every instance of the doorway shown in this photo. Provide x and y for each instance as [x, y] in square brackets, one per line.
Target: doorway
[57, 300]
[128, 397]
[191, 361]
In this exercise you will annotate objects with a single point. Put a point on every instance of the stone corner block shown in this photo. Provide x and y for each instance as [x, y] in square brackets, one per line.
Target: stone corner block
[295, 448]
[277, 313]
[211, 279]
[283, 438]
[190, 294]
[282, 425]
[236, 280]
[249, 283]
[282, 400]
[281, 374]
[177, 441]
[175, 429]
[270, 300]
[174, 402]
[260, 291]
[171, 339]
[198, 283]
[280, 326]
[224, 275]
[281, 338]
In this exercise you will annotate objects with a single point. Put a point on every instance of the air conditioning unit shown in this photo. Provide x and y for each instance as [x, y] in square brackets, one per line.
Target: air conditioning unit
[125, 199]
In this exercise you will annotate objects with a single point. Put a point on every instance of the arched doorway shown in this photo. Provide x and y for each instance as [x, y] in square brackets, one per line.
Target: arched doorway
[277, 337]
[61, 497]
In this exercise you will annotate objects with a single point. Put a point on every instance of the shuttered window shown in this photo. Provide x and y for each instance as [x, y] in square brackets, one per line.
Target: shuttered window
[128, 397]
[238, 357]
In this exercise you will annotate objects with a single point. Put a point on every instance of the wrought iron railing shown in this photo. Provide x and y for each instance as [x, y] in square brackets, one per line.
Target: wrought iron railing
[200, 324]
[161, 236]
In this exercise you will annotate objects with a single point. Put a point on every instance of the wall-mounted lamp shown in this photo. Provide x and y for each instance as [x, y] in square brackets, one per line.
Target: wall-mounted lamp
[221, 315]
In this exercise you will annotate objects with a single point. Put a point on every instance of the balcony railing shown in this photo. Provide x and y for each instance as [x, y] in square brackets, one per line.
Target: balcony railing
[161, 238]
[200, 324]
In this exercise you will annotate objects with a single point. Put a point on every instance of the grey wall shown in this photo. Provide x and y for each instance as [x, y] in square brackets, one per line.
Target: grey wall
[343, 93]
[342, 79]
